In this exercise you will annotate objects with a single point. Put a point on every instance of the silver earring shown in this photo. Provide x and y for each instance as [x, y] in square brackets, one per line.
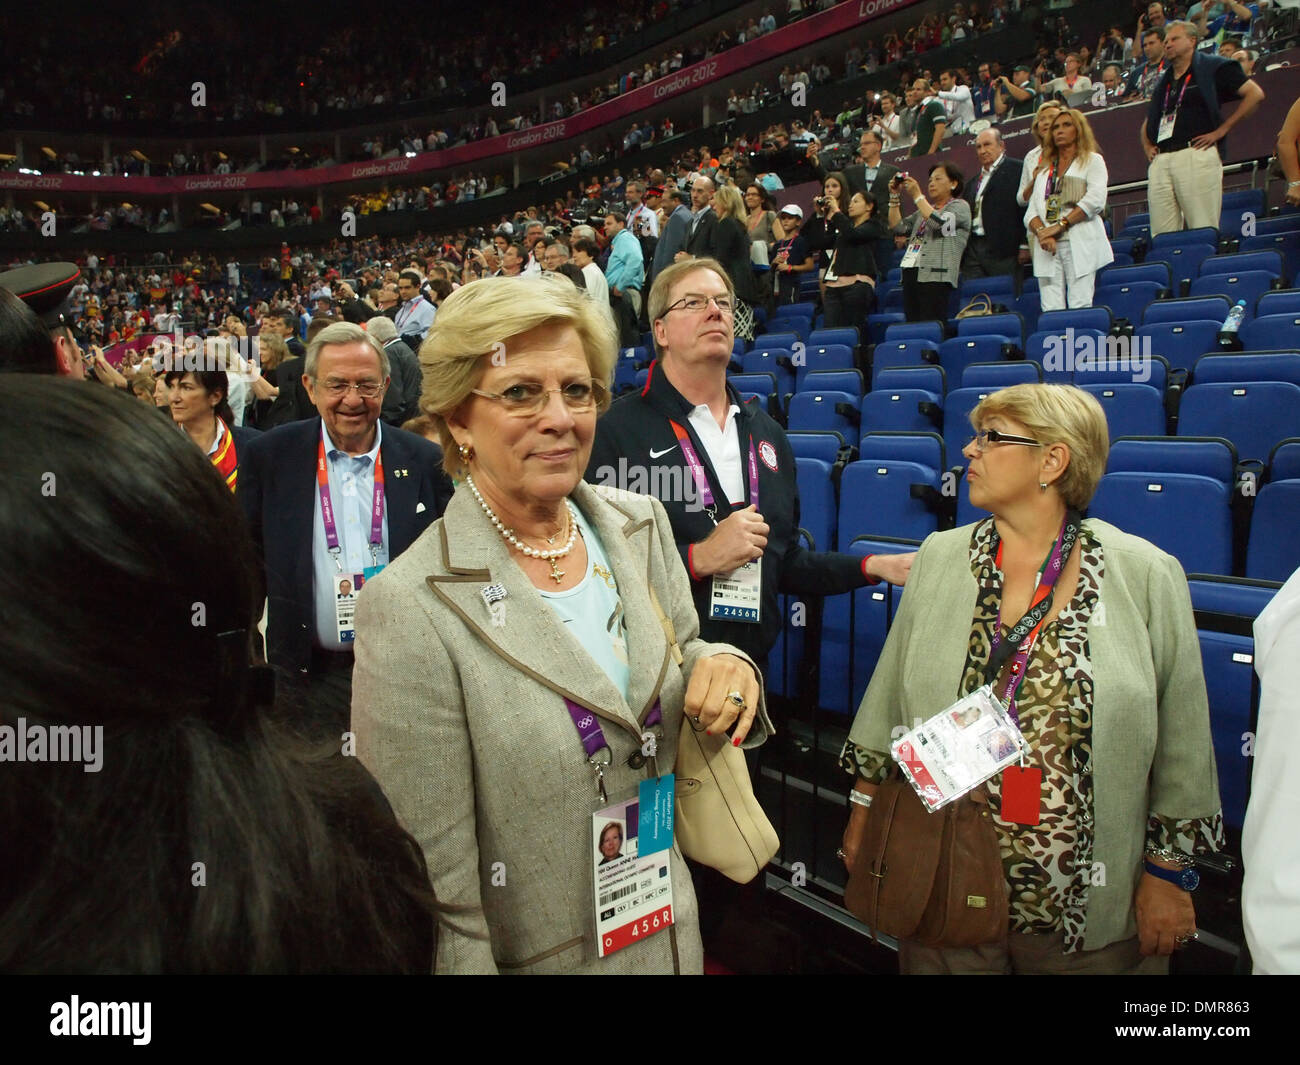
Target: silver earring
[1042, 486]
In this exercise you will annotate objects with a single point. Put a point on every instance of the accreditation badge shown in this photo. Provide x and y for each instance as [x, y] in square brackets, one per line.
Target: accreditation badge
[632, 876]
[1166, 129]
[959, 748]
[346, 586]
[738, 595]
[1053, 209]
[911, 256]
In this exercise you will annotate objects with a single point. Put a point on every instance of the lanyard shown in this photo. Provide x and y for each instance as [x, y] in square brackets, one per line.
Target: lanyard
[408, 311]
[327, 508]
[1020, 640]
[1053, 180]
[1170, 88]
[593, 738]
[701, 478]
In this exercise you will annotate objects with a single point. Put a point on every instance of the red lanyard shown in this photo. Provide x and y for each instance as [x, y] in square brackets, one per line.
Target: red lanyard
[1169, 88]
[327, 508]
[702, 480]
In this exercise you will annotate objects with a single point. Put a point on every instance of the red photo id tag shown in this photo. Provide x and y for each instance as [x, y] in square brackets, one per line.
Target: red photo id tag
[1022, 788]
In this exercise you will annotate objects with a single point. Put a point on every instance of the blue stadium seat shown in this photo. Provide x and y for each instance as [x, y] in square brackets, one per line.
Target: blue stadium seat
[774, 361]
[738, 347]
[891, 301]
[999, 289]
[1136, 223]
[1129, 300]
[1248, 285]
[876, 499]
[849, 381]
[923, 448]
[1270, 262]
[1180, 343]
[956, 353]
[957, 429]
[903, 411]
[931, 331]
[1128, 366]
[1205, 309]
[642, 376]
[1113, 276]
[1286, 301]
[854, 627]
[1225, 610]
[1131, 409]
[1009, 325]
[1284, 462]
[1081, 318]
[1054, 351]
[624, 376]
[1282, 223]
[1180, 238]
[1208, 456]
[879, 322]
[816, 501]
[823, 357]
[1184, 261]
[1285, 244]
[1184, 514]
[785, 340]
[927, 378]
[1241, 200]
[891, 353]
[758, 384]
[1029, 307]
[996, 375]
[1123, 245]
[816, 445]
[967, 512]
[837, 411]
[1253, 416]
[794, 310]
[1278, 332]
[783, 661]
[1273, 552]
[1241, 367]
[846, 336]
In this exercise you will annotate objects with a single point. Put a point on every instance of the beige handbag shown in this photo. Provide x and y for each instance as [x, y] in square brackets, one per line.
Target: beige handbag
[719, 821]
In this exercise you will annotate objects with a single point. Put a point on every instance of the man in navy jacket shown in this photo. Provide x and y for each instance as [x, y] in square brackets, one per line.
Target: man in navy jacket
[383, 488]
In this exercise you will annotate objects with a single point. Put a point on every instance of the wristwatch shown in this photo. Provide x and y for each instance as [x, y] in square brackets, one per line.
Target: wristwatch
[1187, 879]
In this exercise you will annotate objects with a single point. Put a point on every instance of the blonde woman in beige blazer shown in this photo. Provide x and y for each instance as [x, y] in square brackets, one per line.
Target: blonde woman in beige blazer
[459, 696]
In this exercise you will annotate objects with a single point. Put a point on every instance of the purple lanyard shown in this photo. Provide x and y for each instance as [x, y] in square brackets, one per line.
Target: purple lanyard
[1019, 642]
[1179, 102]
[327, 508]
[593, 737]
[701, 479]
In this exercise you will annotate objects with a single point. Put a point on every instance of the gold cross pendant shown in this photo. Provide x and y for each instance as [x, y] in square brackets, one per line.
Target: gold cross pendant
[557, 574]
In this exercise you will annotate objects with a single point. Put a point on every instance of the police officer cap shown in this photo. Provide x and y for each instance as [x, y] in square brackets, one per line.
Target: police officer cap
[44, 287]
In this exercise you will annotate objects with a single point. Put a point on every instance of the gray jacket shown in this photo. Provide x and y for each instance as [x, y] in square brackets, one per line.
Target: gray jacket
[463, 724]
[940, 255]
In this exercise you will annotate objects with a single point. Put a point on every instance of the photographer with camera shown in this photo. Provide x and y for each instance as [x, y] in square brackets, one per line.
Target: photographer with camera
[937, 238]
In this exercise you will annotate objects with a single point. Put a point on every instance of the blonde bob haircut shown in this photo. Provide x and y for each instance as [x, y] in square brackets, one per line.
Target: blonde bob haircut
[1057, 414]
[669, 276]
[481, 318]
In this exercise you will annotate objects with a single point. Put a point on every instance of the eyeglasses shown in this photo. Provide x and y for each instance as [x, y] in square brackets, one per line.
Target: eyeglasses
[366, 389]
[984, 437]
[529, 398]
[695, 304]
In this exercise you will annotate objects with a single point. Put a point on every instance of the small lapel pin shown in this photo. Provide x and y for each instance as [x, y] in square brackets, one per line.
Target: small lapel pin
[419, 508]
[494, 595]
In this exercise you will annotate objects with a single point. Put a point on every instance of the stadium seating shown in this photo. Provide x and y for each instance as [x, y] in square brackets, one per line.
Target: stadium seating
[876, 496]
[817, 512]
[823, 357]
[957, 429]
[1009, 325]
[926, 449]
[1273, 552]
[849, 381]
[901, 411]
[927, 378]
[956, 353]
[1286, 301]
[1285, 244]
[774, 361]
[1205, 309]
[1184, 514]
[816, 445]
[1247, 285]
[1129, 300]
[837, 411]
[1270, 262]
[1131, 409]
[1180, 343]
[758, 384]
[1082, 318]
[1245, 366]
[1253, 416]
[894, 353]
[845, 336]
[1052, 351]
[931, 331]
[994, 375]
[1284, 462]
[1207, 456]
[1278, 332]
[879, 322]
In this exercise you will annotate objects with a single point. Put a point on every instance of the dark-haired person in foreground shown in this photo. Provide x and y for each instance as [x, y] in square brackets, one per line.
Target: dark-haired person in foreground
[186, 832]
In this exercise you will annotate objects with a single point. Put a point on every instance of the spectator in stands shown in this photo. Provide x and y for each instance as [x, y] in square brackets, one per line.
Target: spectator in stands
[957, 101]
[555, 255]
[1143, 738]
[1288, 153]
[688, 399]
[792, 258]
[889, 122]
[513, 261]
[198, 405]
[1221, 16]
[583, 255]
[1113, 47]
[675, 229]
[314, 870]
[641, 220]
[731, 247]
[1185, 180]
[1016, 96]
[1270, 900]
[416, 314]
[1142, 79]
[625, 274]
[1073, 86]
[931, 121]
[937, 239]
[1113, 80]
[761, 218]
[370, 522]
[997, 219]
[982, 94]
[1043, 120]
[402, 397]
[700, 238]
[849, 294]
[1247, 57]
[438, 659]
[1064, 215]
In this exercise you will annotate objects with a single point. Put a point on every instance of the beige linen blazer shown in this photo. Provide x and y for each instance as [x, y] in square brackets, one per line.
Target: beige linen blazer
[463, 724]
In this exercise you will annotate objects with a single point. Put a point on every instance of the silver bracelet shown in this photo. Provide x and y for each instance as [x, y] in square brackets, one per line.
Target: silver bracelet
[1168, 854]
[860, 798]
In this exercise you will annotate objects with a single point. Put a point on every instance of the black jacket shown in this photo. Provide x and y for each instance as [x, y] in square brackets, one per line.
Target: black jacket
[700, 243]
[730, 247]
[856, 176]
[853, 247]
[638, 424]
[402, 400]
[1004, 218]
[277, 486]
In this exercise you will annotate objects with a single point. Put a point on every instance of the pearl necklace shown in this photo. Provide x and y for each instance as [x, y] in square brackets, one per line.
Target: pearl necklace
[552, 557]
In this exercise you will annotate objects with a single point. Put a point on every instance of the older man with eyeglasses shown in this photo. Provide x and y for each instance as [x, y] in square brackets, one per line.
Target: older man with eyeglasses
[736, 516]
[328, 499]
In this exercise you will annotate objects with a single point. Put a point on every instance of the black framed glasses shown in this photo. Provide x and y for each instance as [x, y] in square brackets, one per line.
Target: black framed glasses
[984, 437]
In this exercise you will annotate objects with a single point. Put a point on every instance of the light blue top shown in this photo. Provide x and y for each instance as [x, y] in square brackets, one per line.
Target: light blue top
[352, 491]
[626, 267]
[414, 316]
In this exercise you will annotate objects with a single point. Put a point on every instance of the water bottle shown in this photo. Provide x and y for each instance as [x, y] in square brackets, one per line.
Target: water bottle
[1235, 317]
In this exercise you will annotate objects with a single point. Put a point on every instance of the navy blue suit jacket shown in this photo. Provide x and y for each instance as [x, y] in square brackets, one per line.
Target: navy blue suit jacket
[277, 485]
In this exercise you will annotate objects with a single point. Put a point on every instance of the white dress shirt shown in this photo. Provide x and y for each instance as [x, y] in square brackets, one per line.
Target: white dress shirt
[723, 448]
